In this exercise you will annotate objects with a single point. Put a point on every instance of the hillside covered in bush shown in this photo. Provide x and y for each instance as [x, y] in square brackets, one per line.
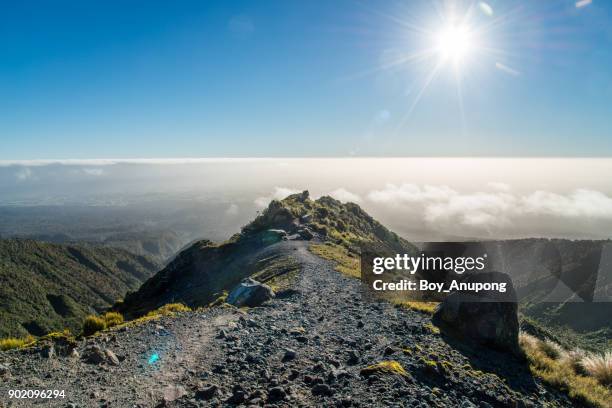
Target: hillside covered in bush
[46, 287]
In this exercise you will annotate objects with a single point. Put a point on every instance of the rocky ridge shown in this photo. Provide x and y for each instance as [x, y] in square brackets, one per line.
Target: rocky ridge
[318, 343]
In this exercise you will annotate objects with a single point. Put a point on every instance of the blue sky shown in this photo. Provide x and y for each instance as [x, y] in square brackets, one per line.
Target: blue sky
[104, 79]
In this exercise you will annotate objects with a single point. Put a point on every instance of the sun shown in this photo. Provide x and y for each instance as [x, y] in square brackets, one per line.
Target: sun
[454, 43]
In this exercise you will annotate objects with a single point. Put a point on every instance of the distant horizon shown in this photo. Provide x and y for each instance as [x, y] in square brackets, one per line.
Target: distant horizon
[104, 161]
[479, 197]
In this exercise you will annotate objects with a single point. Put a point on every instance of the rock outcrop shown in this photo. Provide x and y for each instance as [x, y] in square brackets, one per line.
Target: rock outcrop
[486, 318]
[250, 293]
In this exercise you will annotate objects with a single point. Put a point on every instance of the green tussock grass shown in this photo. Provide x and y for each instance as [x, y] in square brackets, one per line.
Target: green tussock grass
[220, 300]
[560, 372]
[63, 335]
[112, 319]
[384, 367]
[599, 366]
[93, 324]
[346, 262]
[423, 307]
[169, 309]
[11, 343]
[431, 328]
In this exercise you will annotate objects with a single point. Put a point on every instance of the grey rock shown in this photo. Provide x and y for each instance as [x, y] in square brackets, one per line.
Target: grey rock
[111, 357]
[276, 394]
[207, 393]
[467, 404]
[290, 354]
[238, 397]
[250, 293]
[388, 351]
[321, 389]
[306, 218]
[483, 318]
[4, 370]
[305, 233]
[48, 351]
[173, 392]
[353, 357]
[94, 355]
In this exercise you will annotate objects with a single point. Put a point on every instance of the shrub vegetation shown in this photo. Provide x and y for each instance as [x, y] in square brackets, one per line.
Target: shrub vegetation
[93, 324]
[112, 319]
[13, 342]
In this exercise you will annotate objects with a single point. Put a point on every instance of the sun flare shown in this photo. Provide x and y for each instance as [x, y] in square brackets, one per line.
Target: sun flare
[454, 43]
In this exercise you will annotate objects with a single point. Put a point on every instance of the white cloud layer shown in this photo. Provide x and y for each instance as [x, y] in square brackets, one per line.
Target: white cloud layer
[93, 171]
[232, 211]
[344, 195]
[23, 174]
[441, 208]
[278, 194]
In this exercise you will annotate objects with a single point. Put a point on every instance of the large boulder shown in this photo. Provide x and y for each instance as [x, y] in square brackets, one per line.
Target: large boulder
[487, 318]
[305, 233]
[250, 293]
[94, 354]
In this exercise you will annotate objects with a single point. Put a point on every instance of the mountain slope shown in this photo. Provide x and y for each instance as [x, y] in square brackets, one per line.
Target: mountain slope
[157, 245]
[46, 287]
[203, 271]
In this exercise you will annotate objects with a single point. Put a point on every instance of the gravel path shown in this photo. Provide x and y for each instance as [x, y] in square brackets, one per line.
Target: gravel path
[305, 348]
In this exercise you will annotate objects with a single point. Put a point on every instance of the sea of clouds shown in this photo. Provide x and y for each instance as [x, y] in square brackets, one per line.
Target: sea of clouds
[420, 198]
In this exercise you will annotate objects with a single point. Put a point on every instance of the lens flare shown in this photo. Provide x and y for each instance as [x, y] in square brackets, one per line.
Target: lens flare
[153, 359]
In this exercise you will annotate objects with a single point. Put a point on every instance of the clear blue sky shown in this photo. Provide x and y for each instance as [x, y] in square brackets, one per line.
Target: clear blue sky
[118, 79]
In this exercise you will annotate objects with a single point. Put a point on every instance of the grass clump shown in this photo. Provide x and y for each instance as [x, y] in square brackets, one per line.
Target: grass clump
[599, 367]
[573, 358]
[65, 334]
[93, 324]
[560, 373]
[433, 329]
[112, 319]
[219, 300]
[528, 341]
[169, 309]
[429, 363]
[347, 262]
[11, 343]
[423, 307]
[384, 367]
[551, 349]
